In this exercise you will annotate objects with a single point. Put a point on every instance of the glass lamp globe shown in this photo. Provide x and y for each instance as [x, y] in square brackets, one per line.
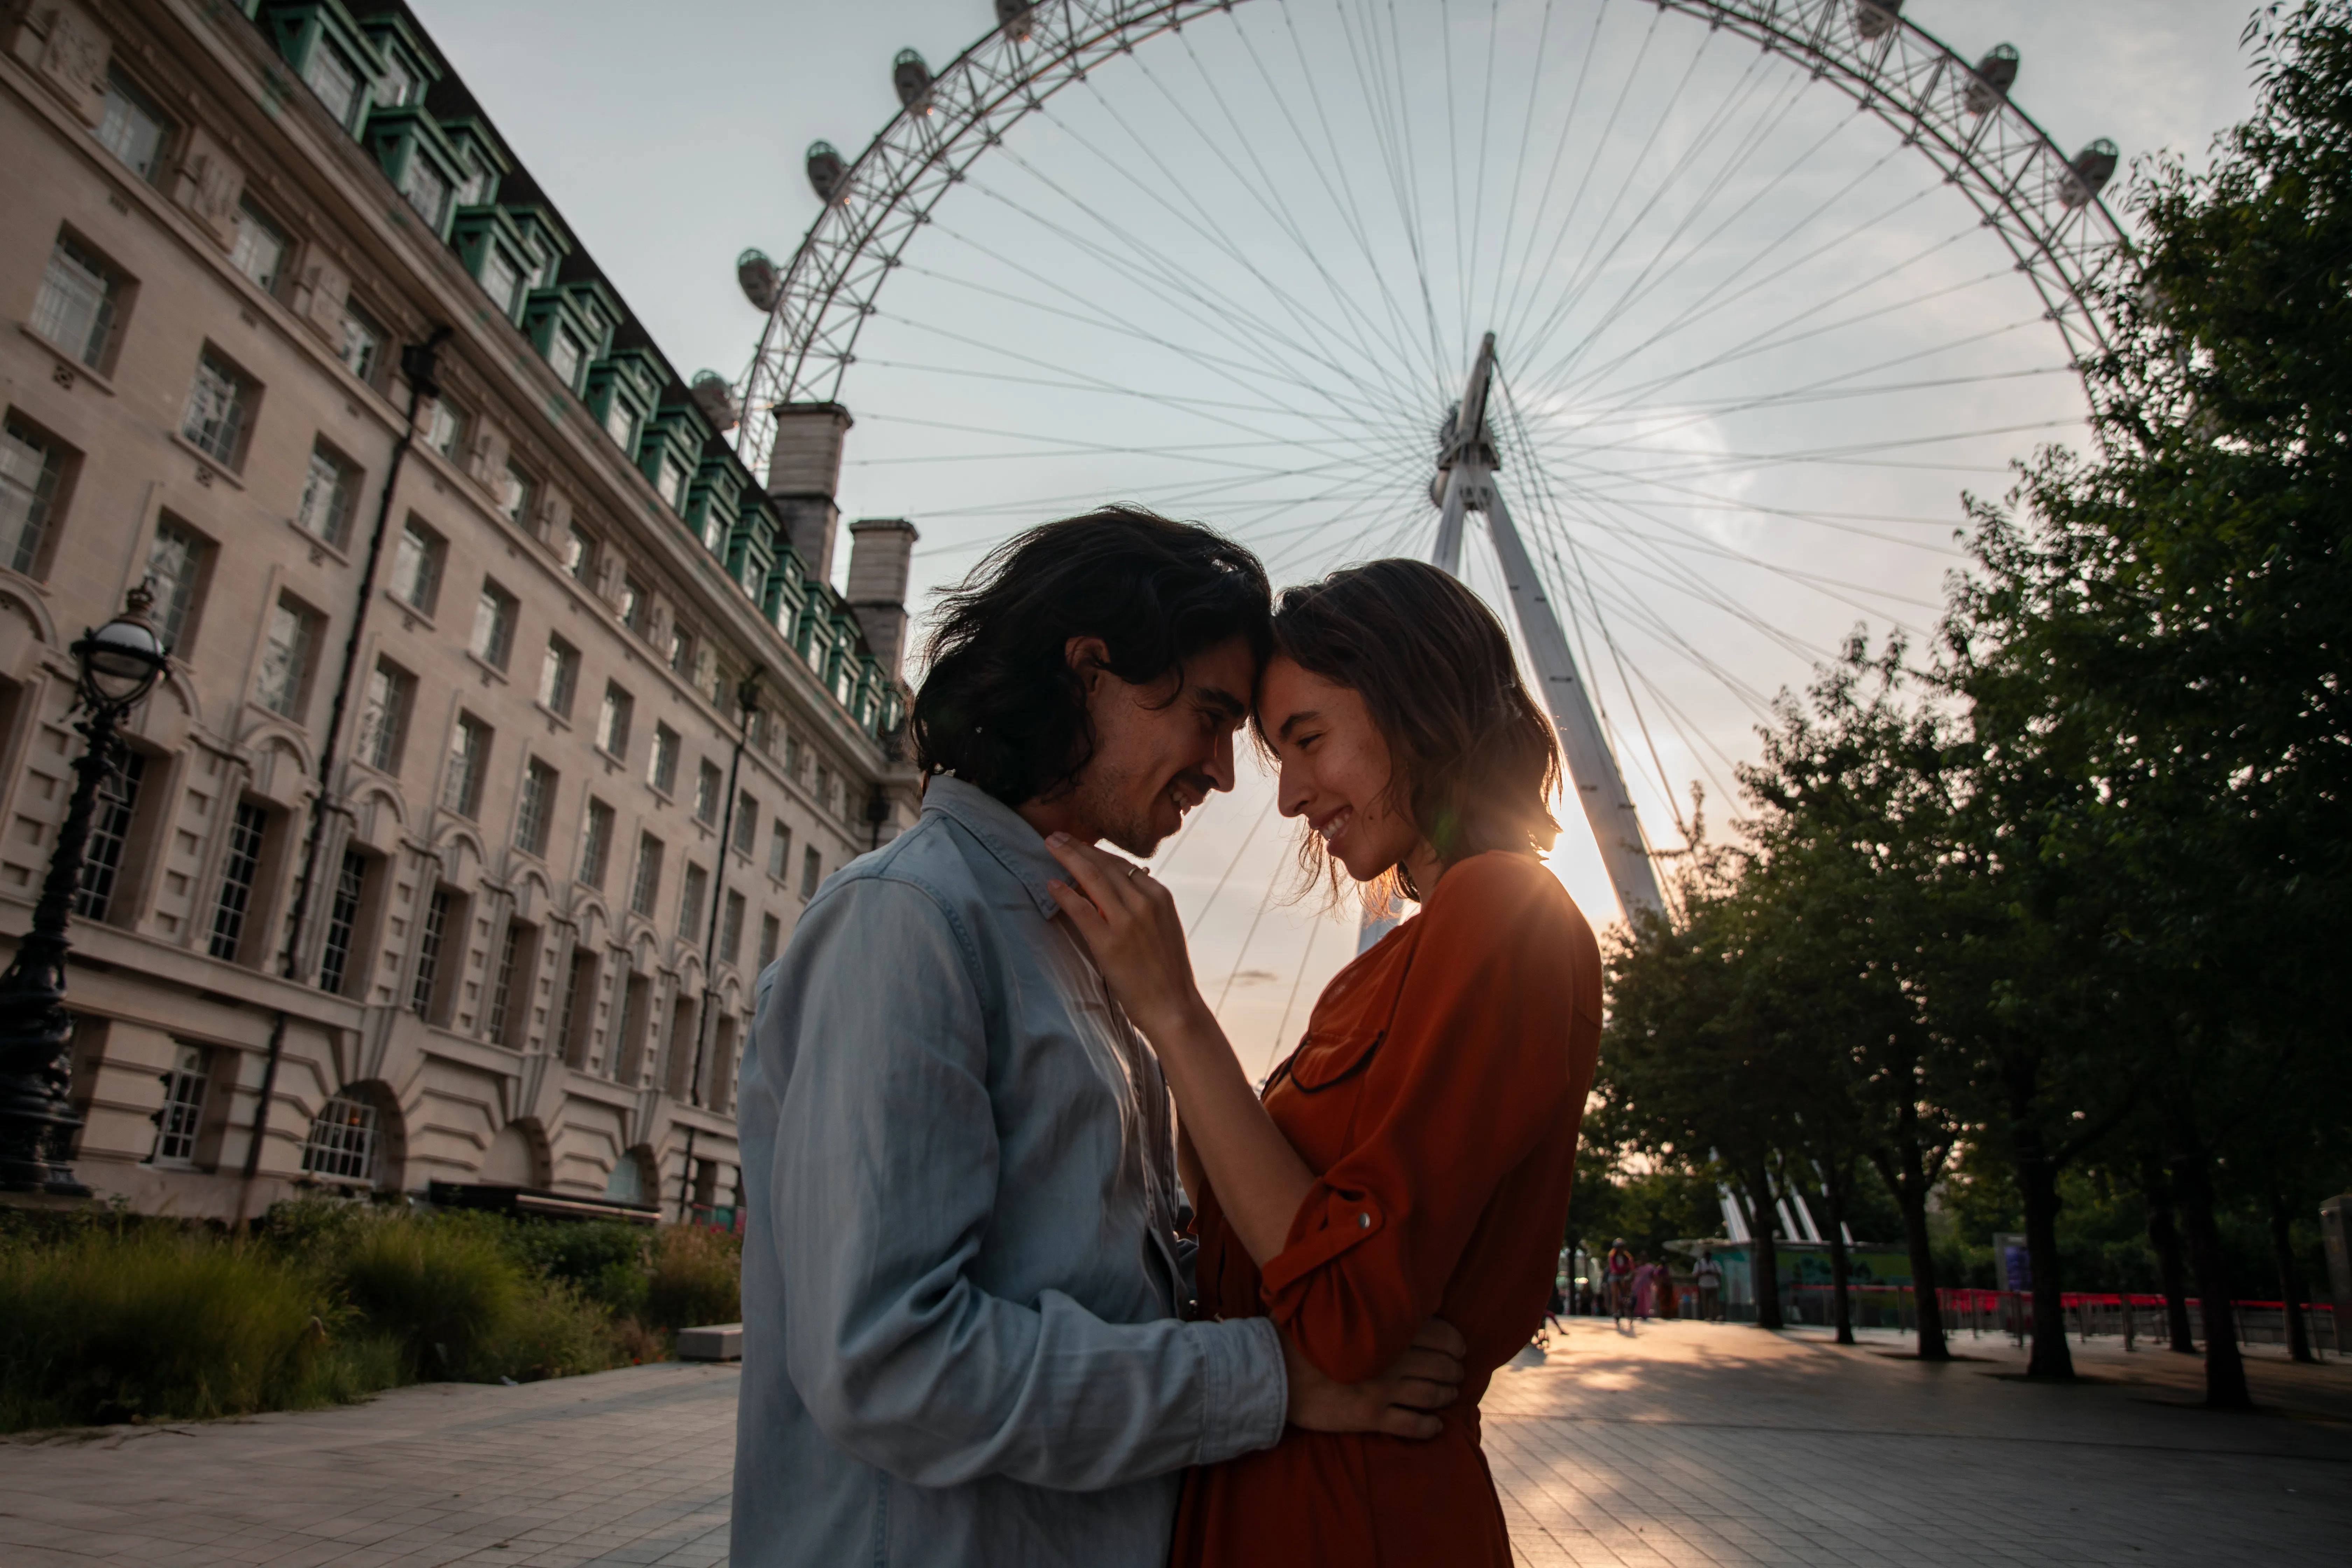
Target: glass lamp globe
[121, 659]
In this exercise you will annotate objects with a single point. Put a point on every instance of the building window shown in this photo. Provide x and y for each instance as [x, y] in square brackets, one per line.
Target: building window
[674, 480]
[427, 192]
[80, 298]
[730, 929]
[779, 851]
[558, 675]
[661, 767]
[109, 830]
[499, 281]
[437, 912]
[398, 86]
[445, 429]
[478, 187]
[131, 127]
[634, 602]
[579, 553]
[361, 342]
[812, 872]
[176, 566]
[328, 490]
[597, 844]
[260, 249]
[183, 1108]
[237, 877]
[578, 1002]
[681, 650]
[286, 657]
[771, 936]
[647, 887]
[621, 425]
[563, 357]
[383, 716]
[342, 1141]
[494, 626]
[470, 763]
[342, 921]
[613, 722]
[220, 403]
[32, 470]
[536, 807]
[707, 789]
[516, 489]
[691, 893]
[513, 965]
[416, 566]
[330, 75]
[747, 823]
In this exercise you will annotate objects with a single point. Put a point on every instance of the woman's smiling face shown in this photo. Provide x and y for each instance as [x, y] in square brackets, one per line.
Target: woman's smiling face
[1335, 769]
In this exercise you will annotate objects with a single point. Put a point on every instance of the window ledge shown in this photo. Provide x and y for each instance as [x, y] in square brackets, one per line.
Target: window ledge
[489, 672]
[68, 370]
[208, 467]
[324, 546]
[554, 719]
[413, 616]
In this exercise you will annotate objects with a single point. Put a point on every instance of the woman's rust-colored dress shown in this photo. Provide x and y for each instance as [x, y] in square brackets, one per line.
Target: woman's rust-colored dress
[1436, 1096]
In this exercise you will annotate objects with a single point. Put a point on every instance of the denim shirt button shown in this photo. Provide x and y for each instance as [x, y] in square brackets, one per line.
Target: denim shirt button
[1363, 1222]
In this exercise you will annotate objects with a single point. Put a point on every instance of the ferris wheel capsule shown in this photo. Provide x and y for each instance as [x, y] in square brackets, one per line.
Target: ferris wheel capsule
[827, 174]
[911, 77]
[762, 283]
[1995, 75]
[2089, 173]
[716, 399]
[1876, 19]
[1012, 16]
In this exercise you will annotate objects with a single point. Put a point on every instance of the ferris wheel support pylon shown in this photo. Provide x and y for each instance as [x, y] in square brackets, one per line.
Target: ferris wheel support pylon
[1468, 465]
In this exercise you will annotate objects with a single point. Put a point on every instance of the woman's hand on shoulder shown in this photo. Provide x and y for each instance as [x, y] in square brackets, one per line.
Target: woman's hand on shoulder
[1129, 925]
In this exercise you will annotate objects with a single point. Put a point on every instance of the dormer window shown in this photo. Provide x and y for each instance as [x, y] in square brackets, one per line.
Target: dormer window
[427, 191]
[398, 87]
[330, 76]
[714, 530]
[621, 425]
[500, 281]
[563, 357]
[476, 190]
[674, 480]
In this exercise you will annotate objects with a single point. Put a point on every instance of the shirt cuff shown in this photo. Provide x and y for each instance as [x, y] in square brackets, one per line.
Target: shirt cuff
[1245, 1387]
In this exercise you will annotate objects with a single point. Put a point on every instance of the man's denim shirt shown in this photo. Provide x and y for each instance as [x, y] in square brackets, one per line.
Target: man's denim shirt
[960, 1285]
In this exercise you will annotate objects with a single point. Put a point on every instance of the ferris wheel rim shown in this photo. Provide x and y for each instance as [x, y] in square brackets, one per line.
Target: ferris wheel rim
[2015, 178]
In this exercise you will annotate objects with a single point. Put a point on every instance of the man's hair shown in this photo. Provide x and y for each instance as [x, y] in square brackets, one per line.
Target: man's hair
[1000, 706]
[1473, 759]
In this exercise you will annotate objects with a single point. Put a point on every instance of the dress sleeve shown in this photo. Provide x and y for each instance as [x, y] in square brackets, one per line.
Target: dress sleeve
[1477, 1068]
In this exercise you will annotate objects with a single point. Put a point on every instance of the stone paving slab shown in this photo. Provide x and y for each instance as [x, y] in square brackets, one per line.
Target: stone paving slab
[1665, 1445]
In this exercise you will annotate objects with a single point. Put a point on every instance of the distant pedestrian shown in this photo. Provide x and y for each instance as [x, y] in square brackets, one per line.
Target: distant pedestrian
[1618, 1270]
[1709, 1278]
[1645, 1292]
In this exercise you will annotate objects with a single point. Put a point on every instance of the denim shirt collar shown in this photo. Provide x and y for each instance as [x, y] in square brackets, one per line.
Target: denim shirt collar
[1018, 848]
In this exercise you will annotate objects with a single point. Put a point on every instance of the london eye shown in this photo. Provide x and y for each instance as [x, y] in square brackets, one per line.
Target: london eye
[1677, 328]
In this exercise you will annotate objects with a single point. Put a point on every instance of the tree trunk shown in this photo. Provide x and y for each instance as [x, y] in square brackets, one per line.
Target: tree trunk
[2037, 1185]
[2298, 1332]
[1765, 1270]
[1834, 1181]
[2164, 1240]
[1910, 1189]
[2225, 1369]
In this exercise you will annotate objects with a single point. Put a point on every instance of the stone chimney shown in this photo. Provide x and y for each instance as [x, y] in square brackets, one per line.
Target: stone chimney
[881, 551]
[804, 474]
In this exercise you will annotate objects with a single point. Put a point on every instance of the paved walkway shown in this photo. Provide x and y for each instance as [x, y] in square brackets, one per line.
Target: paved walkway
[1678, 1444]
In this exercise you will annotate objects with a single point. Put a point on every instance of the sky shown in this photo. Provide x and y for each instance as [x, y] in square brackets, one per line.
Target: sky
[1755, 352]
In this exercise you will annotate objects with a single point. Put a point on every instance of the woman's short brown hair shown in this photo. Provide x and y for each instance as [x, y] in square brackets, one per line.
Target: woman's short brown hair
[1474, 759]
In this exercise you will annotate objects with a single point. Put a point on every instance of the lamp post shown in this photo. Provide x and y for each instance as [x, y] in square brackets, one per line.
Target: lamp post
[119, 665]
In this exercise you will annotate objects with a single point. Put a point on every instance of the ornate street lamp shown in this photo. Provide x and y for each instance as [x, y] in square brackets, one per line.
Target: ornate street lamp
[119, 664]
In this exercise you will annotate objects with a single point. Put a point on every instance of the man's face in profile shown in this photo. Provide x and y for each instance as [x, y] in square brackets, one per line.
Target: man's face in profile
[1161, 749]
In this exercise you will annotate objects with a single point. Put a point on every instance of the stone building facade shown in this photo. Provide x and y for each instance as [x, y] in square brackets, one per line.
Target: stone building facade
[591, 720]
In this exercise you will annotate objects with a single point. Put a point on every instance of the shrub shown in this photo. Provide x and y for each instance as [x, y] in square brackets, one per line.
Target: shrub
[604, 1260]
[555, 1333]
[443, 1291]
[150, 1323]
[697, 1279]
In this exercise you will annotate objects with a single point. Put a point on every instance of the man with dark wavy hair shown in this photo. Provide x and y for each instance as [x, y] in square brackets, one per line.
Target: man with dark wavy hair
[963, 1292]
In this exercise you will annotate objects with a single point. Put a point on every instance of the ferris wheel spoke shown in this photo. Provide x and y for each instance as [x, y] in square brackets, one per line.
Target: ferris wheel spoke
[1391, 128]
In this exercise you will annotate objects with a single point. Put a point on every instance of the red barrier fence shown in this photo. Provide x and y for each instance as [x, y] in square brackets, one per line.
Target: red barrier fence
[2131, 1318]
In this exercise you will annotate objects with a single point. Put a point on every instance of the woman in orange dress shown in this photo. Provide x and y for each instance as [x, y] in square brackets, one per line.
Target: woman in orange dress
[1412, 1156]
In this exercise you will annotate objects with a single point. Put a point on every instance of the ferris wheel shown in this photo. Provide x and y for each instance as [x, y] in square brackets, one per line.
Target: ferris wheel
[1705, 312]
